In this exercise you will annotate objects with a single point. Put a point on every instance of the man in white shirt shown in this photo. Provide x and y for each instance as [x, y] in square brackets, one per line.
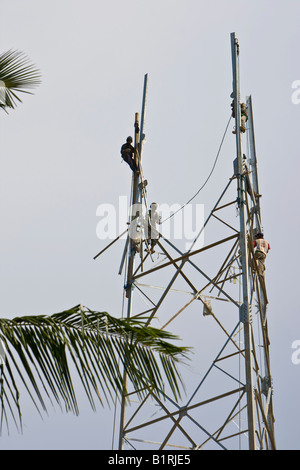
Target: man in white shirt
[152, 220]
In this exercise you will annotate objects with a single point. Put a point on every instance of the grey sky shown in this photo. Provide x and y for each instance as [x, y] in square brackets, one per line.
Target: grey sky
[60, 158]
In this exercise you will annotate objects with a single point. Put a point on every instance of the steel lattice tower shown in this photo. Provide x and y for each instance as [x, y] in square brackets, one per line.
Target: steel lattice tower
[231, 405]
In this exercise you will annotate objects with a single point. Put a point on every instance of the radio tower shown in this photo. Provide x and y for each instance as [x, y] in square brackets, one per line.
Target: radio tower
[231, 405]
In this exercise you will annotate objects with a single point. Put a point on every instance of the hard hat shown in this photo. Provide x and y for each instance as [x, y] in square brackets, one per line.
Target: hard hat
[129, 139]
[259, 235]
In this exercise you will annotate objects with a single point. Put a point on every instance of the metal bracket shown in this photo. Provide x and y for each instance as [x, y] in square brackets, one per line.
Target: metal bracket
[266, 384]
[207, 308]
[245, 315]
[143, 185]
[129, 285]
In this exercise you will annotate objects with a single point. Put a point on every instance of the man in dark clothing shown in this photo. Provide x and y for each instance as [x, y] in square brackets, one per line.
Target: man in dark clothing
[127, 152]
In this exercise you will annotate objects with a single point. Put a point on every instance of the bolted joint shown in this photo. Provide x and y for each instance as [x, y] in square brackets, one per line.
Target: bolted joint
[129, 285]
[183, 412]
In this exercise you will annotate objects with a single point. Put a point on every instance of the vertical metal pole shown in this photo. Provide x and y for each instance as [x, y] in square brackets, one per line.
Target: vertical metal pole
[142, 133]
[133, 214]
[245, 316]
[129, 286]
[139, 136]
[253, 161]
[138, 156]
[263, 300]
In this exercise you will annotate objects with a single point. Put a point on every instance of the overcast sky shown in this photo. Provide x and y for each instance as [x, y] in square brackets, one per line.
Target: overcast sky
[60, 159]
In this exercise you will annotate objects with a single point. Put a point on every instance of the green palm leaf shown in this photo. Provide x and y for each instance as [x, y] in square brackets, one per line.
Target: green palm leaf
[17, 74]
[43, 354]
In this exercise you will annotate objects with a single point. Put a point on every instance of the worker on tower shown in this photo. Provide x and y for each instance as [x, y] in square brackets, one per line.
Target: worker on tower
[127, 152]
[153, 218]
[244, 116]
[262, 249]
[248, 184]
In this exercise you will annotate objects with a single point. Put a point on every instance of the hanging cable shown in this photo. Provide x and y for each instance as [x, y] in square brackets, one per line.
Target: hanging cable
[200, 189]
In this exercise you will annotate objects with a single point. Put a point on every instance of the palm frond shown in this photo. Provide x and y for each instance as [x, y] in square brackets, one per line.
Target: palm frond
[17, 75]
[43, 354]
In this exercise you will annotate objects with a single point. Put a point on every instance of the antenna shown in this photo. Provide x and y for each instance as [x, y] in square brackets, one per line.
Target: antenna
[229, 402]
[134, 242]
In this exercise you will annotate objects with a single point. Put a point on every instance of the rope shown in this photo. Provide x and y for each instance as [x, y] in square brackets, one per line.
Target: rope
[200, 189]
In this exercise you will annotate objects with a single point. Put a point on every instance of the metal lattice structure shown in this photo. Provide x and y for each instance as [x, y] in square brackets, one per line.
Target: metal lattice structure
[230, 404]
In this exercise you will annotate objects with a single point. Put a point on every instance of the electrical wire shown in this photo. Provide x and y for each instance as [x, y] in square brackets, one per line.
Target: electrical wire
[207, 179]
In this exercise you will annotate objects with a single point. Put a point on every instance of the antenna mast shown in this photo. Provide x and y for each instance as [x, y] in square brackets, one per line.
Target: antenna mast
[134, 244]
[231, 407]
